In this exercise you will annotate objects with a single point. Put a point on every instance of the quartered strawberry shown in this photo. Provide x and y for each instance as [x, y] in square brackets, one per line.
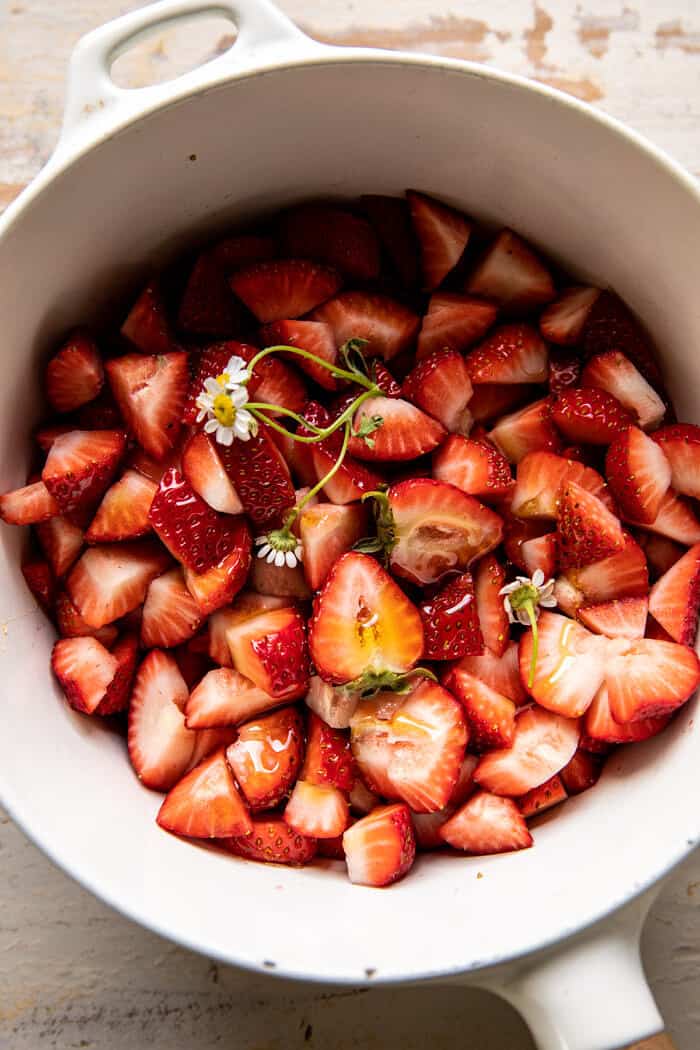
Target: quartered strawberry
[381, 847]
[350, 482]
[615, 373]
[500, 673]
[490, 715]
[109, 581]
[331, 235]
[41, 581]
[284, 287]
[638, 473]
[539, 480]
[587, 530]
[333, 706]
[123, 512]
[363, 622]
[440, 386]
[517, 532]
[160, 745]
[487, 824]
[540, 799]
[512, 275]
[475, 467]
[28, 505]
[243, 248]
[170, 614]
[562, 322]
[74, 375]
[204, 472]
[542, 552]
[512, 353]
[218, 585]
[70, 623]
[260, 476]
[206, 804]
[388, 326]
[619, 618]
[80, 466]
[451, 622]
[489, 577]
[601, 728]
[207, 306]
[391, 218]
[45, 436]
[589, 415]
[270, 649]
[681, 446]
[442, 233]
[319, 811]
[622, 575]
[490, 400]
[85, 670]
[266, 757]
[529, 430]
[674, 599]
[582, 772]
[126, 652]
[676, 520]
[661, 552]
[279, 581]
[225, 698]
[404, 434]
[326, 532]
[454, 322]
[272, 841]
[313, 336]
[646, 678]
[610, 325]
[570, 666]
[150, 392]
[147, 325]
[564, 370]
[427, 825]
[543, 745]
[195, 535]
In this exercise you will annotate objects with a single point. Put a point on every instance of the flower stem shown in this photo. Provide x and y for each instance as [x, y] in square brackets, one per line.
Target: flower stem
[296, 511]
[339, 373]
[529, 608]
[258, 409]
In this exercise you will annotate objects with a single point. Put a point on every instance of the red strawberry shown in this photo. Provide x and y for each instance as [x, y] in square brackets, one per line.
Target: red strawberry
[619, 618]
[333, 706]
[280, 581]
[225, 698]
[209, 364]
[681, 446]
[581, 773]
[160, 745]
[80, 466]
[512, 274]
[334, 236]
[475, 468]
[589, 415]
[676, 520]
[299, 458]
[405, 432]
[313, 336]
[638, 474]
[513, 353]
[675, 598]
[41, 582]
[489, 577]
[205, 803]
[244, 248]
[275, 383]
[390, 217]
[284, 288]
[70, 623]
[332, 848]
[195, 534]
[442, 233]
[266, 757]
[205, 473]
[440, 386]
[150, 392]
[85, 670]
[28, 505]
[273, 842]
[487, 824]
[570, 666]
[328, 758]
[529, 430]
[610, 325]
[170, 613]
[490, 400]
[588, 531]
[544, 743]
[648, 678]
[602, 728]
[541, 552]
[350, 482]
[74, 375]
[388, 326]
[270, 649]
[109, 581]
[427, 825]
[500, 673]
[123, 512]
[101, 414]
[219, 585]
[45, 436]
[327, 531]
[147, 325]
[116, 698]
[563, 320]
[207, 306]
[661, 552]
[150, 468]
[490, 716]
[538, 800]
[454, 322]
[622, 575]
[451, 622]
[615, 373]
[564, 370]
[517, 532]
[539, 481]
[363, 622]
[260, 476]
[381, 847]
[318, 811]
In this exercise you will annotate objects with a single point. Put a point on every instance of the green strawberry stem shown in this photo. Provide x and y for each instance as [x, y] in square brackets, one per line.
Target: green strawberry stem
[529, 608]
[369, 683]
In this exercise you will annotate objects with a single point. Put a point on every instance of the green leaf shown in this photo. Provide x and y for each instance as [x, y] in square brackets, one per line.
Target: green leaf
[385, 539]
[368, 426]
[370, 683]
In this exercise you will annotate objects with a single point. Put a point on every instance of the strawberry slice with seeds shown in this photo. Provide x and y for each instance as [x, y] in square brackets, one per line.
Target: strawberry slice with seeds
[649, 678]
[513, 353]
[474, 467]
[334, 236]
[615, 373]
[542, 798]
[601, 728]
[333, 706]
[539, 480]
[562, 322]
[204, 472]
[207, 306]
[427, 825]
[582, 772]
[315, 337]
[85, 670]
[220, 584]
[116, 698]
[205, 804]
[28, 505]
[541, 553]
[284, 287]
[487, 824]
[489, 401]
[570, 666]
[45, 436]
[544, 743]
[622, 575]
[589, 415]
[70, 623]
[619, 618]
[681, 446]
[390, 217]
[674, 599]
[109, 581]
[610, 325]
[147, 325]
[328, 760]
[405, 432]
[350, 482]
[40, 580]
[518, 532]
[80, 466]
[225, 698]
[273, 842]
[266, 757]
[170, 614]
[490, 716]
[327, 531]
[454, 322]
[123, 512]
[388, 326]
[318, 811]
[451, 622]
[74, 375]
[150, 393]
[489, 578]
[512, 275]
[270, 649]
[638, 474]
[443, 234]
[499, 672]
[261, 477]
[160, 745]
[381, 847]
[564, 370]
[440, 385]
[676, 520]
[529, 430]
[587, 530]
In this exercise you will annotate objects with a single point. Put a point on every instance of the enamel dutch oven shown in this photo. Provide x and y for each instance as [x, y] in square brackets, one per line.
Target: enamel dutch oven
[137, 174]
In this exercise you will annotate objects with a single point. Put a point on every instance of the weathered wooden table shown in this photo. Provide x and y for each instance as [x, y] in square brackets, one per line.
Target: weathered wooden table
[73, 973]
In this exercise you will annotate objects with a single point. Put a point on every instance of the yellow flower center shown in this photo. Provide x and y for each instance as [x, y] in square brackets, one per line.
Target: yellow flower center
[224, 410]
[222, 380]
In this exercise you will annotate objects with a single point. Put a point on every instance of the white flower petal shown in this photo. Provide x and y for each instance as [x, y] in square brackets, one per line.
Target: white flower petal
[271, 557]
[224, 436]
[279, 559]
[548, 602]
[238, 396]
[264, 551]
[211, 426]
[259, 540]
[299, 552]
[235, 364]
[212, 387]
[537, 578]
[291, 559]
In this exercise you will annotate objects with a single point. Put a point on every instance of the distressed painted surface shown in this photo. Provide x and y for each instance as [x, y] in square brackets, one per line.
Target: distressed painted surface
[74, 974]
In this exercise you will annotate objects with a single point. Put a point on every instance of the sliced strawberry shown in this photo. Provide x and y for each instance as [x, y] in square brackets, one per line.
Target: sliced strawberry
[512, 353]
[363, 622]
[487, 824]
[638, 474]
[327, 531]
[151, 468]
[601, 728]
[440, 386]
[109, 581]
[454, 322]
[273, 842]
[101, 414]
[474, 467]
[318, 811]
[243, 248]
[648, 678]
[260, 476]
[587, 530]
[570, 666]
[381, 847]
[582, 772]
[170, 613]
[391, 218]
[334, 236]
[220, 584]
[615, 373]
[123, 512]
[205, 804]
[195, 534]
[312, 336]
[85, 670]
[284, 287]
[388, 326]
[147, 325]
[298, 457]
[619, 618]
[563, 320]
[540, 799]
[589, 415]
[539, 480]
[676, 520]
[622, 575]
[675, 598]
[225, 698]
[681, 446]
[74, 375]
[489, 577]
[276, 383]
[405, 431]
[519, 531]
[451, 622]
[661, 552]
[490, 716]
[45, 436]
[28, 505]
[610, 325]
[427, 825]
[542, 553]
[544, 743]
[150, 392]
[266, 757]
[529, 430]
[568, 597]
[126, 652]
[80, 466]
[70, 623]
[442, 233]
[41, 581]
[160, 745]
[280, 581]
[209, 364]
[361, 799]
[205, 473]
[500, 673]
[270, 649]
[513, 275]
[350, 482]
[207, 306]
[333, 706]
[491, 400]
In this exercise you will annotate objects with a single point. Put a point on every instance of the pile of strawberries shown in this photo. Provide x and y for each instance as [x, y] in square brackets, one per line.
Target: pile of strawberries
[375, 697]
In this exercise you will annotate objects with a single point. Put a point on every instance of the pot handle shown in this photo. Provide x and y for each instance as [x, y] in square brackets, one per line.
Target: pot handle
[95, 105]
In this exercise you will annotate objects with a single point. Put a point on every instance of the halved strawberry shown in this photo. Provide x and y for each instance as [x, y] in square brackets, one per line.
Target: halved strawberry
[570, 666]
[150, 392]
[454, 322]
[225, 698]
[562, 322]
[109, 581]
[587, 530]
[270, 649]
[622, 575]
[661, 552]
[676, 520]
[160, 745]
[638, 474]
[582, 772]
[85, 670]
[219, 585]
[326, 532]
[619, 618]
[80, 466]
[28, 505]
[602, 728]
[207, 306]
[126, 652]
[319, 811]
[266, 757]
[331, 235]
[41, 581]
[74, 375]
[541, 552]
[442, 233]
[194, 533]
[405, 432]
[440, 386]
[123, 512]
[540, 799]
[525, 431]
[681, 446]
[513, 275]
[363, 622]
[512, 353]
[204, 471]
[70, 623]
[610, 325]
[260, 476]
[500, 673]
[487, 824]
[333, 706]
[490, 400]
[544, 743]
[150, 468]
[243, 248]
[205, 804]
[489, 577]
[273, 842]
[284, 287]
[391, 218]
[490, 716]
[388, 326]
[615, 373]
[648, 678]
[589, 415]
[539, 480]
[675, 598]
[381, 847]
[451, 622]
[147, 325]
[298, 457]
[475, 467]
[312, 336]
[247, 603]
[170, 613]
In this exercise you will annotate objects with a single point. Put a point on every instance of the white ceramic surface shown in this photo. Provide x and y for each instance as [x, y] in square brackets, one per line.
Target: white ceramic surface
[136, 175]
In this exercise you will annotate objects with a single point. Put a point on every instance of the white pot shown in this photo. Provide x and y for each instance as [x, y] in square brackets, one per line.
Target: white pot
[277, 119]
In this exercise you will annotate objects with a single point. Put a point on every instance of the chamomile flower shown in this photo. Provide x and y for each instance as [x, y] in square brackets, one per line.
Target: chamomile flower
[222, 403]
[280, 547]
[524, 596]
